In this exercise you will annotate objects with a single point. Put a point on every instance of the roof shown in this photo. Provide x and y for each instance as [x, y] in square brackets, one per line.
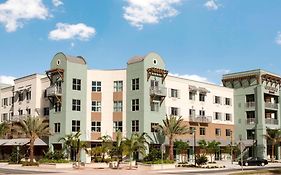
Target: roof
[21, 141]
[78, 59]
[135, 59]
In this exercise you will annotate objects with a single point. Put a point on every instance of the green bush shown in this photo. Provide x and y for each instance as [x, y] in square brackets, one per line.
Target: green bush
[30, 164]
[160, 162]
[15, 157]
[56, 155]
[153, 155]
[201, 160]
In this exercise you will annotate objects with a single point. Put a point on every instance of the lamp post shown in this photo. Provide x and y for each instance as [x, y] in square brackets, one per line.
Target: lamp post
[194, 144]
[231, 147]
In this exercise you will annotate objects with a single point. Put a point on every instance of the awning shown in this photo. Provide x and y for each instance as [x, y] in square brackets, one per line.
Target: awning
[21, 141]
[203, 90]
[192, 88]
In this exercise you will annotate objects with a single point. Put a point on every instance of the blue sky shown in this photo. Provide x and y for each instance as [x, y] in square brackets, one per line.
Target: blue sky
[200, 39]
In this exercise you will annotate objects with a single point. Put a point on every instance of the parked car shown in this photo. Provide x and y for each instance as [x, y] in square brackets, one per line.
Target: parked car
[254, 161]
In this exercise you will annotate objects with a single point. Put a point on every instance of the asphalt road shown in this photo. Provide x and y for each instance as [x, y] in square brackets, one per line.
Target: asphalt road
[14, 171]
[221, 171]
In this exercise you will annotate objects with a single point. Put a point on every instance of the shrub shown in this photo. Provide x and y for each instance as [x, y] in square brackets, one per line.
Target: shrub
[160, 162]
[15, 157]
[56, 155]
[30, 164]
[153, 155]
[201, 160]
[53, 161]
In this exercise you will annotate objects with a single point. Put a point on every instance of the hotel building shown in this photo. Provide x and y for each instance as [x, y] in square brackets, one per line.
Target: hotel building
[136, 99]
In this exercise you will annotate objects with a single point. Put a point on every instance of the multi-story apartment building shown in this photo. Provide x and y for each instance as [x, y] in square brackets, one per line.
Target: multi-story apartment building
[256, 109]
[135, 99]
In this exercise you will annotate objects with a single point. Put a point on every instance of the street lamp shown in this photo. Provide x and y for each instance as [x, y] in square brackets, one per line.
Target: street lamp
[194, 143]
[231, 147]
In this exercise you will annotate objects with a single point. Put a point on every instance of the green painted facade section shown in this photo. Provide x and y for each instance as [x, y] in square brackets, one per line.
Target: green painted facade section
[252, 87]
[65, 117]
[144, 115]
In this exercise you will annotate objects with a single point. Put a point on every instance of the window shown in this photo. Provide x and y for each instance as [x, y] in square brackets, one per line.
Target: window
[154, 127]
[117, 106]
[28, 95]
[192, 112]
[20, 112]
[227, 101]
[11, 101]
[217, 116]
[96, 126]
[175, 93]
[45, 93]
[192, 130]
[217, 100]
[250, 134]
[174, 111]
[5, 102]
[76, 84]
[201, 113]
[118, 86]
[135, 105]
[46, 111]
[202, 97]
[202, 131]
[191, 96]
[228, 117]
[20, 96]
[57, 107]
[96, 106]
[76, 105]
[4, 117]
[57, 127]
[218, 132]
[228, 132]
[28, 111]
[117, 126]
[154, 84]
[135, 126]
[75, 125]
[96, 86]
[155, 106]
[135, 84]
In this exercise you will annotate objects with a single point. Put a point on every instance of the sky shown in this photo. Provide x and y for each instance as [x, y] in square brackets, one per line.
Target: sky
[198, 39]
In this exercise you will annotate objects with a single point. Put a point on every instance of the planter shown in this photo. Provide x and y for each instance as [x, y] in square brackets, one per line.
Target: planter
[162, 166]
[57, 165]
[97, 165]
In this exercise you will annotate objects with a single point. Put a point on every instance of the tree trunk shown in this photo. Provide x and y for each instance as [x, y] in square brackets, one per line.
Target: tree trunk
[272, 152]
[131, 156]
[171, 151]
[31, 146]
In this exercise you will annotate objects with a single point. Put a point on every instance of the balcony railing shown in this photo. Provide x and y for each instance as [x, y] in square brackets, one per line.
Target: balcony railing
[17, 118]
[271, 105]
[251, 121]
[250, 104]
[158, 91]
[200, 119]
[54, 90]
[271, 121]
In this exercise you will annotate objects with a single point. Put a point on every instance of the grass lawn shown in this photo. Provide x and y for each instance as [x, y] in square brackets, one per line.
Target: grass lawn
[267, 172]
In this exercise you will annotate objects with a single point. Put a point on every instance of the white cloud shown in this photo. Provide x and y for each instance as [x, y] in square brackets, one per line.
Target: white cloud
[212, 5]
[13, 13]
[192, 77]
[7, 79]
[222, 71]
[57, 3]
[78, 31]
[278, 38]
[140, 12]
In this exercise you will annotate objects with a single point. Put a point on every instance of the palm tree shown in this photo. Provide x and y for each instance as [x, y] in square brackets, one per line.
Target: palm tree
[33, 128]
[4, 128]
[212, 148]
[106, 145]
[181, 148]
[172, 127]
[203, 146]
[118, 147]
[137, 143]
[69, 141]
[274, 136]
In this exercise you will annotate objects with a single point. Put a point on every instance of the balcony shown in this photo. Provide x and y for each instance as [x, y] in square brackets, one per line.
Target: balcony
[200, 119]
[54, 91]
[17, 118]
[158, 91]
[271, 121]
[271, 105]
[250, 104]
[251, 121]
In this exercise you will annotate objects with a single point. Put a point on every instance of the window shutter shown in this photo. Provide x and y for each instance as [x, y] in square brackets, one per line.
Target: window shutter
[169, 92]
[224, 101]
[179, 111]
[221, 100]
[179, 93]
[230, 101]
[214, 99]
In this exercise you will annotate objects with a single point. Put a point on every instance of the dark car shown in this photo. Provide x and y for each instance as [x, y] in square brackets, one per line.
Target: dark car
[254, 162]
